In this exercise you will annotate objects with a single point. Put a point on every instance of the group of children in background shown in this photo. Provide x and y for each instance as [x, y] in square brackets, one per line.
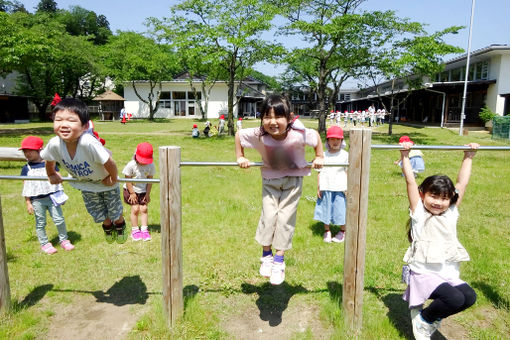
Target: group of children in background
[432, 270]
[195, 132]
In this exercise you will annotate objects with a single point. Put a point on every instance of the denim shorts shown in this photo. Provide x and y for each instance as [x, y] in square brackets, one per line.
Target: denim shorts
[103, 205]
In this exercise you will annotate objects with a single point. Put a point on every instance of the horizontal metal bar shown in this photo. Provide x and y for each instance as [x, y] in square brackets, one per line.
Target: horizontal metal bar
[443, 147]
[72, 179]
[309, 164]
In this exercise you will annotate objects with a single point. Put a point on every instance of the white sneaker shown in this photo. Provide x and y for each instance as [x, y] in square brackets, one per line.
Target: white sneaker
[266, 263]
[339, 237]
[422, 330]
[327, 237]
[277, 273]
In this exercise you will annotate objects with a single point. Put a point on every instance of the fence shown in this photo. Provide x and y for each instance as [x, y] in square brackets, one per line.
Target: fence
[501, 127]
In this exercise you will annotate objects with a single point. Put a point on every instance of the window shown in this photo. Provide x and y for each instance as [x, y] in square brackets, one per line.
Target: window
[182, 102]
[456, 74]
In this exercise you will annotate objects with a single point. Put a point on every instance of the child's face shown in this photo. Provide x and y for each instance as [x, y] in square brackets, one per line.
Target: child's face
[32, 155]
[275, 126]
[67, 126]
[334, 144]
[435, 204]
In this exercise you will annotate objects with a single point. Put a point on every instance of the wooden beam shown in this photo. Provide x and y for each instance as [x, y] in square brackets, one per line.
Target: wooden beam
[11, 154]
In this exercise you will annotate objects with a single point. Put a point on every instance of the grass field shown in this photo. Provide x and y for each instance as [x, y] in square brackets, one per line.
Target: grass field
[224, 296]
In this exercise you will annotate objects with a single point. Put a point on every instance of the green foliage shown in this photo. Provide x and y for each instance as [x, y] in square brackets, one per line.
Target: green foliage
[486, 115]
[81, 22]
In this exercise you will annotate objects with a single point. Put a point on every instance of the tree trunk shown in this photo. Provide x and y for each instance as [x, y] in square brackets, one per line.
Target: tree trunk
[231, 84]
[390, 123]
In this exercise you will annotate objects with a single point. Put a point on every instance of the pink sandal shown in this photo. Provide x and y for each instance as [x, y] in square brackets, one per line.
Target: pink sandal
[67, 245]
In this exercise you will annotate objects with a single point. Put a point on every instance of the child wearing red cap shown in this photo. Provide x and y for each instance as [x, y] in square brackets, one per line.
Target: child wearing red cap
[194, 132]
[239, 124]
[137, 195]
[415, 157]
[41, 196]
[221, 125]
[332, 184]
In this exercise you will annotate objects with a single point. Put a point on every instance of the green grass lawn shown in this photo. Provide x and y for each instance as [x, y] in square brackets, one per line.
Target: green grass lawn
[220, 211]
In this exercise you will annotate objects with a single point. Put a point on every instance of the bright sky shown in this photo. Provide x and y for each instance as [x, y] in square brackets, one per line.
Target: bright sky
[490, 26]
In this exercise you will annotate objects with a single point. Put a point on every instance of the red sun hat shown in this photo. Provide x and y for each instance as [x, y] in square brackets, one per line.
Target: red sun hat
[144, 153]
[31, 143]
[335, 132]
[405, 139]
[240, 118]
[194, 125]
[222, 117]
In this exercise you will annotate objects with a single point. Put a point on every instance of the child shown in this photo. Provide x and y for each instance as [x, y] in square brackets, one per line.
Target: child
[87, 160]
[137, 195]
[41, 196]
[283, 153]
[194, 132]
[332, 184]
[207, 128]
[239, 124]
[221, 124]
[415, 157]
[435, 253]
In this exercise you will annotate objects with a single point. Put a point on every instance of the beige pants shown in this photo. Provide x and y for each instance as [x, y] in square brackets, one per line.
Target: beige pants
[280, 198]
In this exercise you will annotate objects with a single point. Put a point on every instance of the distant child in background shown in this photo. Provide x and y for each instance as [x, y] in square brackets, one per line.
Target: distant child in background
[239, 124]
[331, 204]
[138, 195]
[283, 153]
[415, 156]
[194, 132]
[41, 196]
[435, 253]
[207, 128]
[87, 160]
[221, 125]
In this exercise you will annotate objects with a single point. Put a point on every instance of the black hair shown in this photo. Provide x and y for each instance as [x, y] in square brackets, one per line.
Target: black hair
[280, 106]
[73, 105]
[440, 185]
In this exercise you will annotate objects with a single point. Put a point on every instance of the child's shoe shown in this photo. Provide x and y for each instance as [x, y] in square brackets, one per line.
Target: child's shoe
[48, 249]
[109, 234]
[121, 232]
[67, 245]
[339, 237]
[327, 237]
[146, 236]
[136, 234]
[277, 273]
[422, 330]
[266, 264]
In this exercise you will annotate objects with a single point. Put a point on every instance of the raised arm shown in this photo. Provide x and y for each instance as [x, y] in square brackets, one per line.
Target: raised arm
[413, 194]
[465, 171]
[241, 160]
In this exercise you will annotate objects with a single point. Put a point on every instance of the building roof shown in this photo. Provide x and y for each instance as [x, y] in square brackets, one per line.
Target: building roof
[108, 95]
[480, 51]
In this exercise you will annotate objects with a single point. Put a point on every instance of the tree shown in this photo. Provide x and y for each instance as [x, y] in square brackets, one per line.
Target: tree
[48, 6]
[407, 57]
[131, 57]
[233, 30]
[81, 22]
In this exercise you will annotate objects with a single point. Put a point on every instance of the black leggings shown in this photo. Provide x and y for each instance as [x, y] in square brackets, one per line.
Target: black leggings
[448, 300]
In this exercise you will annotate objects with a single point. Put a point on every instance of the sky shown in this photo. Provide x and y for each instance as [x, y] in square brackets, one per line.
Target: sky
[490, 24]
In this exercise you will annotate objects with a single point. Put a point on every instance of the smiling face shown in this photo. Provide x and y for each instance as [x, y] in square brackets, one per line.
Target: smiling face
[434, 203]
[67, 126]
[276, 126]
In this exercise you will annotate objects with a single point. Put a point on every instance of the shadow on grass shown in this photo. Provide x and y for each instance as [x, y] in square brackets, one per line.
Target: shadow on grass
[492, 295]
[318, 229]
[33, 297]
[398, 312]
[74, 237]
[189, 292]
[155, 228]
[129, 290]
[273, 300]
[31, 131]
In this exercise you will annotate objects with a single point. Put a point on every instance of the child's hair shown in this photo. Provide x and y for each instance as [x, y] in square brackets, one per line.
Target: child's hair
[440, 185]
[280, 106]
[76, 106]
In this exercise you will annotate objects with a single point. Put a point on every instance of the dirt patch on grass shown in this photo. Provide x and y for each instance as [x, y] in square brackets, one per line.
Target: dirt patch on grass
[450, 330]
[86, 318]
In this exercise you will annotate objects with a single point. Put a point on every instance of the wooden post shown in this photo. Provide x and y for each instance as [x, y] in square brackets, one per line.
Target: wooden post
[171, 231]
[5, 291]
[356, 225]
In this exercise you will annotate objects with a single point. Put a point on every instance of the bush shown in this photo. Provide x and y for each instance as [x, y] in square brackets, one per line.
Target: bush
[486, 115]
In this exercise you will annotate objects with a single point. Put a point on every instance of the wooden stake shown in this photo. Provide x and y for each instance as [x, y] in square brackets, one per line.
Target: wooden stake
[171, 231]
[356, 224]
[5, 291]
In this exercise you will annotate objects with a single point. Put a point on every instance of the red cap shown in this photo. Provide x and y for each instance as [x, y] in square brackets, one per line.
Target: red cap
[335, 132]
[194, 126]
[240, 118]
[144, 153]
[32, 143]
[222, 117]
[405, 139]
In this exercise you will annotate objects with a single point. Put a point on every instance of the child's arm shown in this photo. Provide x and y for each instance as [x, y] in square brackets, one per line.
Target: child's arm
[241, 160]
[30, 207]
[132, 195]
[147, 198]
[318, 161]
[465, 171]
[413, 194]
[53, 176]
[111, 168]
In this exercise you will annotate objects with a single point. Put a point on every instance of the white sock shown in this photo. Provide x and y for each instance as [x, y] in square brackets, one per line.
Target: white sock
[134, 228]
[144, 227]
